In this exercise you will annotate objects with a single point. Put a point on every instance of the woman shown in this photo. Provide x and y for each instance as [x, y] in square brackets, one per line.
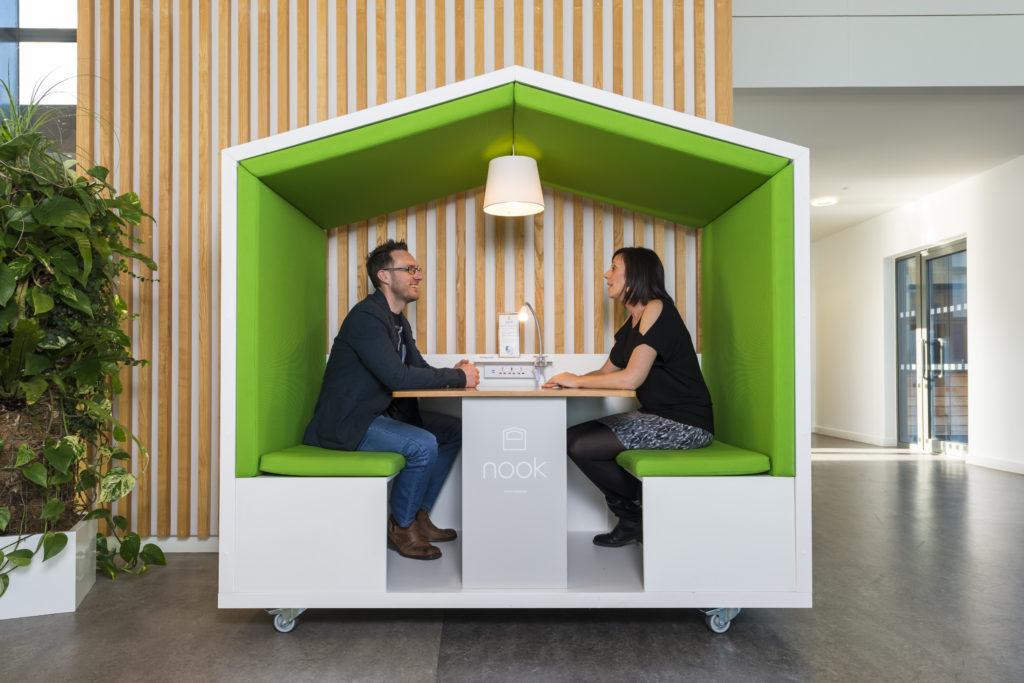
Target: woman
[652, 354]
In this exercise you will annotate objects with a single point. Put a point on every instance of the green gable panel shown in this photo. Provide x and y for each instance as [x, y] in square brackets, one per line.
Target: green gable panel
[282, 286]
[393, 164]
[633, 162]
[748, 321]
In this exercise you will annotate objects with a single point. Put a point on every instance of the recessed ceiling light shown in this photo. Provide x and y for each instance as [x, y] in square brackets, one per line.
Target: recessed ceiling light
[824, 201]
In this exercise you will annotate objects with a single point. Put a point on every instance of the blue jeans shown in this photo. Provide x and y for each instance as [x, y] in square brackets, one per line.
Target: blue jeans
[429, 453]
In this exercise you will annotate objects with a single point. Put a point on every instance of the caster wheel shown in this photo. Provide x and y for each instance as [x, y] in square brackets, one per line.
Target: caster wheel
[284, 626]
[717, 623]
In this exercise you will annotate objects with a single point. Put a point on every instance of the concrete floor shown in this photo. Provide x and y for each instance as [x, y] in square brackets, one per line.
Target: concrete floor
[918, 576]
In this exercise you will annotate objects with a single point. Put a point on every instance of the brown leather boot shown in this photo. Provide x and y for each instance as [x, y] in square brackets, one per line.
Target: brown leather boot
[431, 532]
[409, 543]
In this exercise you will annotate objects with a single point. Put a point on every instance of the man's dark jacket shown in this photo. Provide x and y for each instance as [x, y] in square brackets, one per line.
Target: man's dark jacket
[363, 369]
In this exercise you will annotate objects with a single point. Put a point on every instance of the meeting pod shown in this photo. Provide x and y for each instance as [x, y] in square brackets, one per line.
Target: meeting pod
[725, 528]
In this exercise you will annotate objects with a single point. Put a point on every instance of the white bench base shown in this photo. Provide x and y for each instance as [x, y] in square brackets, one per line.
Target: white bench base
[319, 542]
[719, 534]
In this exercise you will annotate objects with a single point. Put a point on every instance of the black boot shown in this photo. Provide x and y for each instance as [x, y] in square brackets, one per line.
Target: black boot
[624, 533]
[630, 526]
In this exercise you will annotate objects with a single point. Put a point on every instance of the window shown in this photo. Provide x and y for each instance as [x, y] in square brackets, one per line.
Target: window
[38, 59]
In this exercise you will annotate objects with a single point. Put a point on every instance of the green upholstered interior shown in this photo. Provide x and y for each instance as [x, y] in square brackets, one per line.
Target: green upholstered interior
[309, 461]
[393, 164]
[747, 322]
[282, 287]
[580, 147]
[743, 196]
[635, 163]
[715, 460]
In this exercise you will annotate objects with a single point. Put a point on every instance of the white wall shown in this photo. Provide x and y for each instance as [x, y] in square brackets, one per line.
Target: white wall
[877, 43]
[853, 283]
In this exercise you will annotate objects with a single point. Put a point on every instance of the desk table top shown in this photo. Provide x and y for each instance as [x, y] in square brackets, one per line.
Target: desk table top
[529, 392]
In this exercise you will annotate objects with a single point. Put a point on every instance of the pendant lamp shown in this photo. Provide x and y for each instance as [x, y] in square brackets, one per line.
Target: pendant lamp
[513, 187]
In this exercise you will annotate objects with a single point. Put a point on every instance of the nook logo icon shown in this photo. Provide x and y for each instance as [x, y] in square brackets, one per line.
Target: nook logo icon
[513, 439]
[524, 469]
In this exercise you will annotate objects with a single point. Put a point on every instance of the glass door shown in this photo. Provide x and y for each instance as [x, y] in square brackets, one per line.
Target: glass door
[931, 337]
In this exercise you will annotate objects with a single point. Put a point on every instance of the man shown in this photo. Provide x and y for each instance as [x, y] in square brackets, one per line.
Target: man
[373, 355]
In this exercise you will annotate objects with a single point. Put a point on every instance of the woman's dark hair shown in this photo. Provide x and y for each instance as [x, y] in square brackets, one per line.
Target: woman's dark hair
[381, 258]
[645, 276]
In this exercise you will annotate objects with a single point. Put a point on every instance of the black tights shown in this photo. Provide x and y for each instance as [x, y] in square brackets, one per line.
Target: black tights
[593, 447]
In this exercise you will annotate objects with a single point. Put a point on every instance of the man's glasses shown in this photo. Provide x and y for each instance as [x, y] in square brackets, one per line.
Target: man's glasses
[412, 270]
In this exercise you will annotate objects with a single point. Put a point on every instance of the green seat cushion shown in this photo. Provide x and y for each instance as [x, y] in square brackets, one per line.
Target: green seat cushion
[309, 461]
[715, 460]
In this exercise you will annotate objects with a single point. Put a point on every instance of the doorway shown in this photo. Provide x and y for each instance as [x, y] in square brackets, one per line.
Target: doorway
[931, 352]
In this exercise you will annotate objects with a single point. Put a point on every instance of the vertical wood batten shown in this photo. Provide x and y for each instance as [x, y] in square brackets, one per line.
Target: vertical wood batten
[381, 59]
[144, 430]
[302, 55]
[362, 249]
[481, 276]
[657, 47]
[723, 61]
[699, 59]
[86, 78]
[679, 234]
[638, 50]
[519, 243]
[559, 268]
[678, 56]
[499, 267]
[166, 265]
[460, 273]
[322, 62]
[244, 68]
[697, 270]
[205, 216]
[439, 270]
[341, 236]
[184, 225]
[263, 21]
[283, 90]
[126, 128]
[577, 270]
[341, 57]
[421, 303]
[361, 71]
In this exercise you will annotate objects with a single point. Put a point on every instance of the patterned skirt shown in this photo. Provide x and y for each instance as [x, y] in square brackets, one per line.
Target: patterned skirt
[643, 430]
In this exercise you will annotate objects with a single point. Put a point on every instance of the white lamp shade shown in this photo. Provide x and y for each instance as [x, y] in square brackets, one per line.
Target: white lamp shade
[513, 187]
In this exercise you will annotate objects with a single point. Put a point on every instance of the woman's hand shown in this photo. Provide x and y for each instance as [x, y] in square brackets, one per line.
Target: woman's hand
[563, 379]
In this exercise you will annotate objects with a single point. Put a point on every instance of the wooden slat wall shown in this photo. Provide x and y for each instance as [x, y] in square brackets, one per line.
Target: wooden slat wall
[171, 82]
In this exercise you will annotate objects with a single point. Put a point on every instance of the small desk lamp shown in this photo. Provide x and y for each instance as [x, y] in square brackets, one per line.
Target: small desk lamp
[540, 361]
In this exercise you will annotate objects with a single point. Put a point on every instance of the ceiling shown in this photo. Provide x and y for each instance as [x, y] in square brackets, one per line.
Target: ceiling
[877, 149]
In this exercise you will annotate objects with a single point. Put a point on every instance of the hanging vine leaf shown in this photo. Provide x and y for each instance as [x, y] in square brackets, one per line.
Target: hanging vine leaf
[53, 543]
[41, 301]
[53, 510]
[116, 484]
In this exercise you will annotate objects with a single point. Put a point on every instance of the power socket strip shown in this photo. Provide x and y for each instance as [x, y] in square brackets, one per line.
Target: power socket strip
[508, 371]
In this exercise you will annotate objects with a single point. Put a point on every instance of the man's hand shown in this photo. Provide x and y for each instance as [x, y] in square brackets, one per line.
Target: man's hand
[472, 374]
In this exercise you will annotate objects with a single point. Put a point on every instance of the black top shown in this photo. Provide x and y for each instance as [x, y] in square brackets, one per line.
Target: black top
[674, 387]
[373, 355]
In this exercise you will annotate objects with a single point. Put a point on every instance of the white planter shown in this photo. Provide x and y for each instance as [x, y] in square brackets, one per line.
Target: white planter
[57, 585]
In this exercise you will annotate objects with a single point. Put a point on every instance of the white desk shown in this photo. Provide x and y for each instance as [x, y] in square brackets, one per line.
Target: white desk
[514, 531]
